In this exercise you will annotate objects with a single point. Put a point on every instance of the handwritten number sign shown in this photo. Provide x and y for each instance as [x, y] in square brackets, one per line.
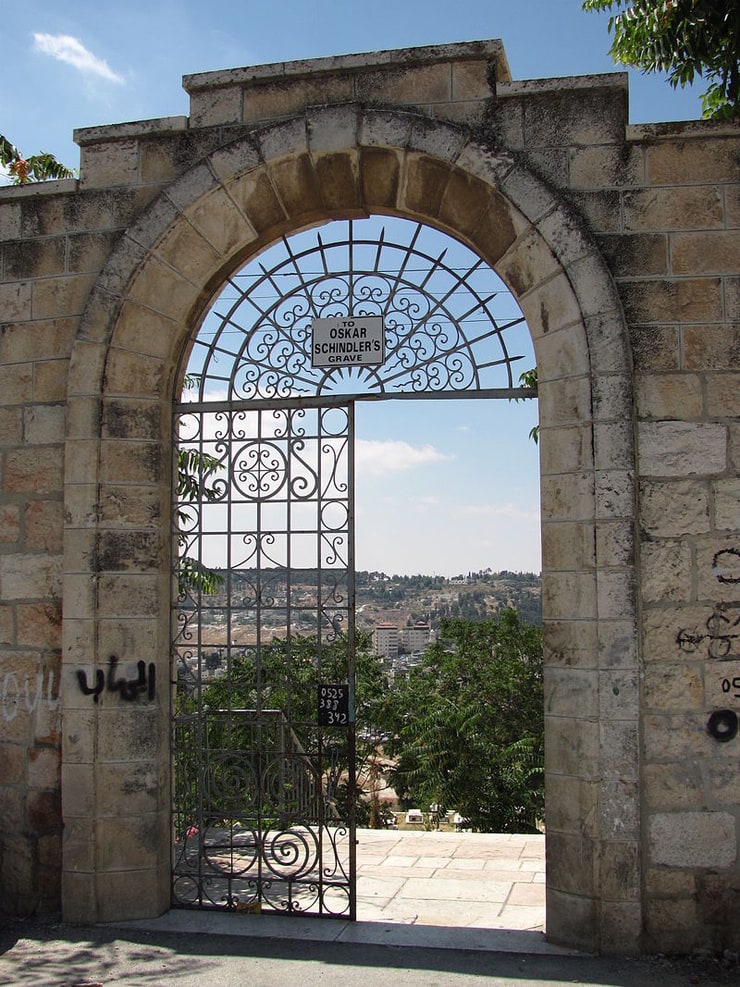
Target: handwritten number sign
[334, 705]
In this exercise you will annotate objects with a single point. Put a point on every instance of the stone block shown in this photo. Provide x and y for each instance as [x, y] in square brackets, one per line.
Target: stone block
[528, 265]
[43, 425]
[28, 577]
[50, 380]
[128, 732]
[220, 223]
[109, 164]
[637, 255]
[16, 383]
[565, 449]
[615, 544]
[405, 86]
[722, 781]
[571, 692]
[10, 221]
[568, 546]
[722, 392]
[15, 301]
[573, 919]
[620, 867]
[38, 340]
[669, 396]
[426, 181]
[617, 643]
[134, 374]
[380, 176]
[675, 508]
[692, 839]
[34, 259]
[705, 253]
[10, 524]
[122, 503]
[619, 697]
[39, 625]
[572, 806]
[254, 194]
[672, 632]
[655, 348]
[727, 504]
[565, 402]
[686, 300]
[210, 107]
[671, 925]
[339, 180]
[665, 572]
[584, 118]
[567, 497]
[689, 208]
[677, 162]
[571, 863]
[604, 166]
[681, 448]
[128, 595]
[465, 199]
[58, 297]
[619, 760]
[672, 736]
[571, 643]
[674, 687]
[165, 289]
[569, 594]
[137, 787]
[189, 255]
[435, 138]
[133, 894]
[43, 768]
[613, 444]
[572, 747]
[662, 882]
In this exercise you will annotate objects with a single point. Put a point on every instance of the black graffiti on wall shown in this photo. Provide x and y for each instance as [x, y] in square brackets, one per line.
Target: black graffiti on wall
[722, 629]
[128, 689]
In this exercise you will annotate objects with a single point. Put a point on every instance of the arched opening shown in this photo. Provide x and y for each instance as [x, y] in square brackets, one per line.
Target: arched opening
[316, 330]
[122, 381]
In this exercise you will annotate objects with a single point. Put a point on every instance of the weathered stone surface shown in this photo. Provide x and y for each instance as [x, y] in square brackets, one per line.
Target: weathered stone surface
[692, 839]
[681, 448]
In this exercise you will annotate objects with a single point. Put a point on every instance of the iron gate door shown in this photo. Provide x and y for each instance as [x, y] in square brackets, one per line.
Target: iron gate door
[264, 730]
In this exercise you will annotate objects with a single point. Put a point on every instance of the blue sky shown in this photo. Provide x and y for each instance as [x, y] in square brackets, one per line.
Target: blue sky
[443, 487]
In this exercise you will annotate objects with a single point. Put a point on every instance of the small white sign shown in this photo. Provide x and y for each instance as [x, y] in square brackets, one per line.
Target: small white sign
[354, 341]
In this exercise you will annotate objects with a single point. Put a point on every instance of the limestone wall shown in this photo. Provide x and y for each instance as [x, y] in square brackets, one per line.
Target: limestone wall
[621, 243]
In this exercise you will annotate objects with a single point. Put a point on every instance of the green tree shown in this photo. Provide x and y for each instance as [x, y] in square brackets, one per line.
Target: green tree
[36, 168]
[685, 38]
[468, 725]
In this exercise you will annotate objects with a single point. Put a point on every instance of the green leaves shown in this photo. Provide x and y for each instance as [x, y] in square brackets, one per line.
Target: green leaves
[469, 729]
[685, 39]
[37, 168]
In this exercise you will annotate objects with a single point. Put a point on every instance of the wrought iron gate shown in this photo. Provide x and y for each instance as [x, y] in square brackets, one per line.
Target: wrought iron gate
[264, 725]
[264, 783]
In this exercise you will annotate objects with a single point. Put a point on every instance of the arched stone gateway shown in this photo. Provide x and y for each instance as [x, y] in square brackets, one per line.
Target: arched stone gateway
[617, 246]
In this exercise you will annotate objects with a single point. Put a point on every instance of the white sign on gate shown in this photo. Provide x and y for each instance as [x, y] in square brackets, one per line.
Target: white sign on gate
[354, 341]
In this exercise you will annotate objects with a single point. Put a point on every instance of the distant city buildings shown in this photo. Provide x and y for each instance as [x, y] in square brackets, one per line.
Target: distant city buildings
[391, 642]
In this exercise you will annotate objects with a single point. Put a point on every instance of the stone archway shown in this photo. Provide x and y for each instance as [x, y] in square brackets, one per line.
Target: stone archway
[332, 163]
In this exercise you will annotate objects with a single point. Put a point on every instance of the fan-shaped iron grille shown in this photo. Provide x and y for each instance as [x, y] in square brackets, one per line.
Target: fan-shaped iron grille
[450, 323]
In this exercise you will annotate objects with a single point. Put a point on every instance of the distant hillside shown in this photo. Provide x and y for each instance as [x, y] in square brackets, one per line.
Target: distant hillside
[380, 599]
[404, 600]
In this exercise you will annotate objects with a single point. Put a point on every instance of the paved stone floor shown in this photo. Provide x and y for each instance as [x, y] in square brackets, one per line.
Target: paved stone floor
[472, 880]
[444, 890]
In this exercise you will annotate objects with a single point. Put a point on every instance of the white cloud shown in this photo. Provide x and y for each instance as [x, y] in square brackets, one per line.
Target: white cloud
[68, 49]
[377, 457]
